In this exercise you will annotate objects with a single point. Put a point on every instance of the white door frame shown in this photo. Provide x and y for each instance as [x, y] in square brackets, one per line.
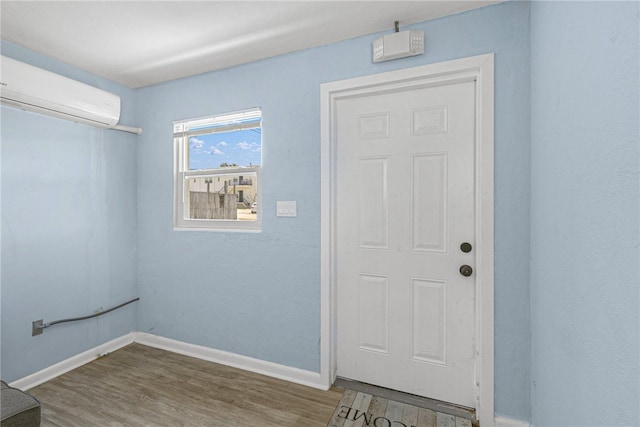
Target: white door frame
[477, 68]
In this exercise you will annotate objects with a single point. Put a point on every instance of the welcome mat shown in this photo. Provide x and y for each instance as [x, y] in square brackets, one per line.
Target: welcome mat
[357, 408]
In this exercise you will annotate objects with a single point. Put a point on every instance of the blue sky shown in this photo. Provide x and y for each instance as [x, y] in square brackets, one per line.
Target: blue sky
[243, 147]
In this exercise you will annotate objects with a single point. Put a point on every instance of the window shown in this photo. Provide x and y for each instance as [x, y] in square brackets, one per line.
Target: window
[217, 171]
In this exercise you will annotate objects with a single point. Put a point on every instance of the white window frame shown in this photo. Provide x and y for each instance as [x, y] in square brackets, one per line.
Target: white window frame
[181, 171]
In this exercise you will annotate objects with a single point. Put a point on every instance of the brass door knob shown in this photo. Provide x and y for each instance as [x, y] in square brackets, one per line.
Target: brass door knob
[466, 271]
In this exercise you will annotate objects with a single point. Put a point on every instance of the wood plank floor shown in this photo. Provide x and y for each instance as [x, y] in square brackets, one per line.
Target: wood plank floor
[144, 386]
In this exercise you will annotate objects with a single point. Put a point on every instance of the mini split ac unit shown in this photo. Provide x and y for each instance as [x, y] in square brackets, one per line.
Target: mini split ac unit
[33, 89]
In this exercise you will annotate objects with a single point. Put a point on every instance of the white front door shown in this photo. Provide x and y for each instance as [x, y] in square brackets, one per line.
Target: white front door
[405, 183]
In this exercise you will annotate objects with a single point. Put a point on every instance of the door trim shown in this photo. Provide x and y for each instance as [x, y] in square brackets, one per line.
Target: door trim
[481, 70]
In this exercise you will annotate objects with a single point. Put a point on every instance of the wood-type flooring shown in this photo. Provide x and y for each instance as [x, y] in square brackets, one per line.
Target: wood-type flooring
[144, 386]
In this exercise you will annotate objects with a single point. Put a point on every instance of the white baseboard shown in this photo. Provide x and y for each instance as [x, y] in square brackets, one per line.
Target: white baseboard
[509, 422]
[71, 363]
[275, 370]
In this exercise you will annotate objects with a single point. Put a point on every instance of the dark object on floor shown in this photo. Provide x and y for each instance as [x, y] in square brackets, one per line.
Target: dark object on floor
[18, 408]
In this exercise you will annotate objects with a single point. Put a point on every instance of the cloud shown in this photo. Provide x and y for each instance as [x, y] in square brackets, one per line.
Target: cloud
[248, 146]
[222, 144]
[215, 151]
[196, 143]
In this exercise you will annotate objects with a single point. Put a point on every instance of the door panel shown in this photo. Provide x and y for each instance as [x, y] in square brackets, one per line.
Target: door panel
[373, 324]
[428, 327]
[374, 203]
[429, 202]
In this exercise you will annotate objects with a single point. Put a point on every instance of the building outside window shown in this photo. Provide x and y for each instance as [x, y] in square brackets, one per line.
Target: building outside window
[217, 162]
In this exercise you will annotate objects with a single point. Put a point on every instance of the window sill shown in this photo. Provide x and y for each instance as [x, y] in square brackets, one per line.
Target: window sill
[218, 230]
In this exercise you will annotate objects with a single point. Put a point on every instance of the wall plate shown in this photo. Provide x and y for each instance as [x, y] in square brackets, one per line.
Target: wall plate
[286, 208]
[36, 327]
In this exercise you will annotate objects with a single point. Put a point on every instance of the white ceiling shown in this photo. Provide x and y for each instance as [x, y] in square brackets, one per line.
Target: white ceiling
[139, 43]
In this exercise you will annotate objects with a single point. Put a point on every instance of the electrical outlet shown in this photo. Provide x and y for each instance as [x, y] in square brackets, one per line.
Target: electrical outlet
[36, 327]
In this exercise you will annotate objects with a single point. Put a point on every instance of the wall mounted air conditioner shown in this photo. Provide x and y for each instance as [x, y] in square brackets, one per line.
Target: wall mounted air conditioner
[34, 89]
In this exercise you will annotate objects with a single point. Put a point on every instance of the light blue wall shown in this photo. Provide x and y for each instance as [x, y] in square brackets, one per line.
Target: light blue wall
[258, 294]
[68, 228]
[584, 219]
[567, 272]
